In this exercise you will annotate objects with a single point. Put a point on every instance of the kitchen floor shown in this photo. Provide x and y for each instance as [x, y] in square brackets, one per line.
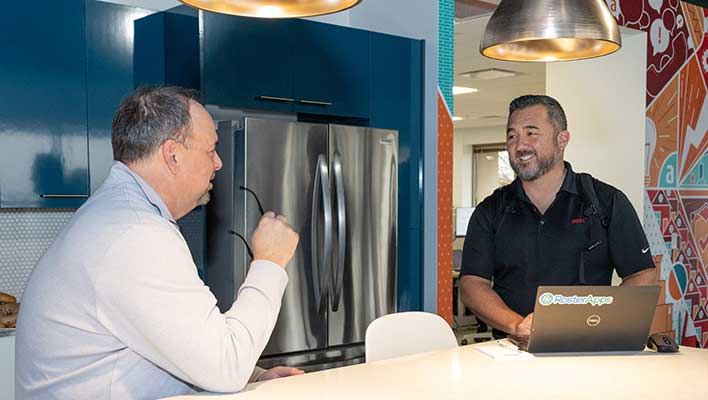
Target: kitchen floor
[469, 331]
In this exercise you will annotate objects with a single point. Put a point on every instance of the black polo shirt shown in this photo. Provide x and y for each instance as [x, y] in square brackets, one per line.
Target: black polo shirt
[509, 242]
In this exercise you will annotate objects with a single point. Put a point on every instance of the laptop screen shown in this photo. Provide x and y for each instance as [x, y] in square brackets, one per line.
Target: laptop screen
[592, 318]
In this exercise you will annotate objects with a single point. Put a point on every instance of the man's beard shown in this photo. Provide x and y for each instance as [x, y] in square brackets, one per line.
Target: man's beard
[206, 196]
[537, 169]
[204, 199]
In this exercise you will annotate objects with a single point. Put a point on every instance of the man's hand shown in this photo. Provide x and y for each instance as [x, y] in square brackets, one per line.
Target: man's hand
[279, 372]
[524, 327]
[274, 240]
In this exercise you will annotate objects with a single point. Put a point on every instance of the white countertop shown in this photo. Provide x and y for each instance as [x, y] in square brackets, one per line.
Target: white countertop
[466, 373]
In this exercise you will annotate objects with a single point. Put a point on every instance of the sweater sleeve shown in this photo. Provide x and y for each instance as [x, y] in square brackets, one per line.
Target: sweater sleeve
[150, 297]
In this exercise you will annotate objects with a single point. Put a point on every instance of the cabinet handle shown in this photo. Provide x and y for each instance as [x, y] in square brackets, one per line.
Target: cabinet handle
[316, 103]
[64, 196]
[274, 98]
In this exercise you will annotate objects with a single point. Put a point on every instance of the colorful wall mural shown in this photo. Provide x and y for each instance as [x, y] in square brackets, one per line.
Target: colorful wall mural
[676, 161]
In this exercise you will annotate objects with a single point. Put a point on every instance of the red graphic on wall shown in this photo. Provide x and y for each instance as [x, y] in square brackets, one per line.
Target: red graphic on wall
[668, 45]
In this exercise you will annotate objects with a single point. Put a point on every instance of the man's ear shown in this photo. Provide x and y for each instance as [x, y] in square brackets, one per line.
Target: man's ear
[563, 139]
[169, 151]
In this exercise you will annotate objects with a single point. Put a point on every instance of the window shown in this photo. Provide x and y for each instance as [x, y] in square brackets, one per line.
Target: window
[490, 170]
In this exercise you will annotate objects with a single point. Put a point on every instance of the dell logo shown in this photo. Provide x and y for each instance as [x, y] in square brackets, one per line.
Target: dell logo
[593, 320]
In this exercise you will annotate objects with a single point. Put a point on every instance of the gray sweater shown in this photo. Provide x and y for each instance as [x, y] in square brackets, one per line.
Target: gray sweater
[115, 308]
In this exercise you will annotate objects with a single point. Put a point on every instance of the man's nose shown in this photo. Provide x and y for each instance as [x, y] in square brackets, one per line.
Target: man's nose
[217, 162]
[523, 143]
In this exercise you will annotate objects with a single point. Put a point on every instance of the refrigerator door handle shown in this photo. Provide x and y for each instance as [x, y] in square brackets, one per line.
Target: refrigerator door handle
[338, 276]
[321, 267]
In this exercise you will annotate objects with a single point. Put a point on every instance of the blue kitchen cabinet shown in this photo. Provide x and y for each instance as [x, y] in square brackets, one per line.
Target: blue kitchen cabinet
[331, 70]
[247, 62]
[167, 50]
[109, 72]
[43, 135]
[285, 65]
[397, 103]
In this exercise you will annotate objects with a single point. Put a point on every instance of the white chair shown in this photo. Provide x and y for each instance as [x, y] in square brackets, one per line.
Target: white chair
[400, 334]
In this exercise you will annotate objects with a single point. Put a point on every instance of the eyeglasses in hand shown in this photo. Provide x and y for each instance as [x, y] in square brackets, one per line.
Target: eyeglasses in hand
[260, 208]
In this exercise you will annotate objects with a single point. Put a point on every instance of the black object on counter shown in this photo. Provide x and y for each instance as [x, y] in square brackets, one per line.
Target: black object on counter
[662, 343]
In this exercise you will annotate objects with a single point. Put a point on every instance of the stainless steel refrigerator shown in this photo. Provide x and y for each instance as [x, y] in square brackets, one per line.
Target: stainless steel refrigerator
[337, 185]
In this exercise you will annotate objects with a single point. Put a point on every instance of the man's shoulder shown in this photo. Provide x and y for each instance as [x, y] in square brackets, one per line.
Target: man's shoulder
[600, 186]
[120, 201]
[496, 201]
[605, 192]
[113, 219]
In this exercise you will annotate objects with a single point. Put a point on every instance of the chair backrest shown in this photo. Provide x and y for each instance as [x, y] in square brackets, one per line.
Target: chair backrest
[400, 334]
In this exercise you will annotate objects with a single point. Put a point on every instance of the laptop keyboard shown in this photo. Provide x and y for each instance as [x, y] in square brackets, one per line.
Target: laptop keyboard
[522, 342]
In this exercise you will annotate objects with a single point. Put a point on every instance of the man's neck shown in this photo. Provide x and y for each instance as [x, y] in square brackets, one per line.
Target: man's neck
[158, 178]
[543, 190]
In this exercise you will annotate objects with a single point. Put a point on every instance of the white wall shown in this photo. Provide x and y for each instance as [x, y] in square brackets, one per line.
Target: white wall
[416, 19]
[604, 100]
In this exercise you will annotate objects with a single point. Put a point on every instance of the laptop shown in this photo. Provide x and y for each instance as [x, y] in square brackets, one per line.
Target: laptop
[577, 319]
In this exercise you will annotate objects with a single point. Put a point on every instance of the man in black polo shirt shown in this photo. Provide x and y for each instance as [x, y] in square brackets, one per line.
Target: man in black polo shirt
[538, 231]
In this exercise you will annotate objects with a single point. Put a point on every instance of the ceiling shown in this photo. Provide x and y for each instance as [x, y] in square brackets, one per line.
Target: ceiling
[472, 8]
[489, 106]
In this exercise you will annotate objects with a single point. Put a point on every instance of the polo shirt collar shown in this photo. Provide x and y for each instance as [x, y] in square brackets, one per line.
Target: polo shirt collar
[150, 194]
[569, 185]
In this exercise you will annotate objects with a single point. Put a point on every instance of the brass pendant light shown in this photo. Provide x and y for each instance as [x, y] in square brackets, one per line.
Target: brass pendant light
[550, 30]
[273, 8]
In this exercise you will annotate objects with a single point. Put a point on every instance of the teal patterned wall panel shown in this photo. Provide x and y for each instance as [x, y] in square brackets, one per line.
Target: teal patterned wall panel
[446, 49]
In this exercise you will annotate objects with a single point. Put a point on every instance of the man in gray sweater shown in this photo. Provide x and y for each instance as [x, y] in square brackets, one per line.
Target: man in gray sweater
[115, 308]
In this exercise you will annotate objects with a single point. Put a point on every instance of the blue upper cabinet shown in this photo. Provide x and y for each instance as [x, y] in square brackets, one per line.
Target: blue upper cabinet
[167, 50]
[285, 65]
[43, 135]
[331, 70]
[109, 70]
[247, 62]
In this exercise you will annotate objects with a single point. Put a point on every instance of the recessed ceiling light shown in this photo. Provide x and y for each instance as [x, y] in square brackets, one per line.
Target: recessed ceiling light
[489, 74]
[462, 90]
[456, 118]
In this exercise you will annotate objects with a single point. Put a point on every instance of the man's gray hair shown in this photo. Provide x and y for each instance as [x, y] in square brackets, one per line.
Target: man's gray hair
[553, 108]
[147, 118]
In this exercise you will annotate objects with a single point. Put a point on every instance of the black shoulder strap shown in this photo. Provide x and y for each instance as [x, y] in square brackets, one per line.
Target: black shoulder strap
[507, 205]
[588, 193]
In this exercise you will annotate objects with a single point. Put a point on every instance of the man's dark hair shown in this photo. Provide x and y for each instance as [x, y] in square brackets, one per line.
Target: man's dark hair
[553, 108]
[147, 118]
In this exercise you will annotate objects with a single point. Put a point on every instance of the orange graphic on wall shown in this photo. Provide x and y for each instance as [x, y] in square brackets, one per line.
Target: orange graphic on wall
[445, 138]
[692, 143]
[695, 22]
[661, 130]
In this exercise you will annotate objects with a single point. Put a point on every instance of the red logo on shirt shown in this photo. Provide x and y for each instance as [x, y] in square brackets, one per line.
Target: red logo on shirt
[577, 221]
